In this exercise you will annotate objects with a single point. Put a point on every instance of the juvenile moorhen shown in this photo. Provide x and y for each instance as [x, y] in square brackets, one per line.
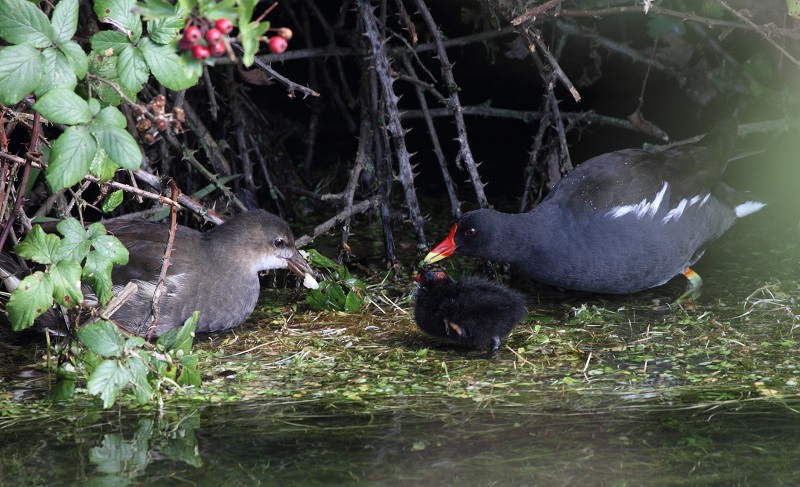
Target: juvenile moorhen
[214, 272]
[472, 312]
[618, 223]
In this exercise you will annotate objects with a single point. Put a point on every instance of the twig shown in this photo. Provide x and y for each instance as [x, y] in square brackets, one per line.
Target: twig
[32, 149]
[383, 69]
[165, 262]
[464, 153]
[327, 225]
[760, 31]
[267, 68]
[532, 13]
[184, 200]
[455, 204]
[212, 97]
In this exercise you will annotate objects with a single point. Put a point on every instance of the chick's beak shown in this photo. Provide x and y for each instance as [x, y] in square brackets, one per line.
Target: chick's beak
[443, 250]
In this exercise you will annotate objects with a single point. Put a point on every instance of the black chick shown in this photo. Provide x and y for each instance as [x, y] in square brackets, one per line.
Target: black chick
[472, 312]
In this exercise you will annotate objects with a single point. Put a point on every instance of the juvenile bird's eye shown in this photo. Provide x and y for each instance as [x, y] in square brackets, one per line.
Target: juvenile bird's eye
[280, 243]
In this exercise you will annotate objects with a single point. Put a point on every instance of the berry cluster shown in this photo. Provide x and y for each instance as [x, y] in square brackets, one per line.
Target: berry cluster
[154, 118]
[215, 40]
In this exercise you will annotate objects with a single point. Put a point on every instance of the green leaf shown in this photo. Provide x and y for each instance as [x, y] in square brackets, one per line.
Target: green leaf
[111, 248]
[319, 260]
[39, 246]
[76, 57]
[66, 278]
[105, 67]
[102, 338]
[62, 105]
[218, 10]
[97, 274]
[111, 117]
[108, 380]
[188, 374]
[165, 30]
[94, 107]
[108, 39]
[353, 302]
[102, 166]
[156, 9]
[112, 201]
[120, 146]
[74, 245]
[58, 73]
[31, 299]
[121, 14]
[65, 383]
[141, 386]
[65, 20]
[21, 22]
[70, 157]
[180, 338]
[167, 66]
[132, 69]
[21, 71]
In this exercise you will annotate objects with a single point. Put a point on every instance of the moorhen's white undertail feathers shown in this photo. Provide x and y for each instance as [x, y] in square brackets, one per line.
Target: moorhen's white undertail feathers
[618, 223]
[472, 312]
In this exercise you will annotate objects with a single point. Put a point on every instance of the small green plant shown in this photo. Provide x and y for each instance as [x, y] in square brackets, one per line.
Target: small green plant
[340, 292]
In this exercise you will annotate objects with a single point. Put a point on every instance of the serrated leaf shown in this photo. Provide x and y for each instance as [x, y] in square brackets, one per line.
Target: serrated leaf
[134, 342]
[39, 246]
[31, 299]
[165, 30]
[132, 68]
[224, 9]
[121, 13]
[95, 230]
[94, 107]
[21, 22]
[120, 146]
[180, 338]
[66, 278]
[75, 244]
[189, 375]
[108, 39]
[70, 157]
[156, 9]
[63, 105]
[112, 201]
[111, 117]
[102, 338]
[105, 67]
[21, 72]
[352, 303]
[103, 168]
[110, 248]
[141, 386]
[97, 274]
[65, 20]
[108, 380]
[76, 56]
[58, 73]
[167, 66]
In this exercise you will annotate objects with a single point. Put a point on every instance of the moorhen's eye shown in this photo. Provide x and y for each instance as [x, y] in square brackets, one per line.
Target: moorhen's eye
[471, 232]
[279, 243]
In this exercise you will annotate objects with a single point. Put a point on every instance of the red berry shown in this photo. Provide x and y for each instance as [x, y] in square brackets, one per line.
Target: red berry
[278, 44]
[224, 25]
[184, 45]
[200, 52]
[213, 36]
[217, 49]
[192, 34]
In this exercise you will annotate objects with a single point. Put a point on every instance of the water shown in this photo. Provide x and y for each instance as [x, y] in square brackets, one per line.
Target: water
[616, 395]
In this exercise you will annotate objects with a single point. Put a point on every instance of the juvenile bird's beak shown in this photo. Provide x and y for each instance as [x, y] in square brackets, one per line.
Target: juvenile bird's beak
[443, 250]
[299, 266]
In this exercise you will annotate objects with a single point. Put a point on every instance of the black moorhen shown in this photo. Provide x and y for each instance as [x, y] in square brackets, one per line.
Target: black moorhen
[472, 312]
[214, 272]
[618, 223]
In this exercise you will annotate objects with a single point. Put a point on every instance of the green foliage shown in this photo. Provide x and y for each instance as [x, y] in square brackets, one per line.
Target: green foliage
[60, 282]
[340, 291]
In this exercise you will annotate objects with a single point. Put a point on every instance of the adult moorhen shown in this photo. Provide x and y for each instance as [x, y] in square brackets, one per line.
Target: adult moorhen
[214, 272]
[618, 223]
[472, 312]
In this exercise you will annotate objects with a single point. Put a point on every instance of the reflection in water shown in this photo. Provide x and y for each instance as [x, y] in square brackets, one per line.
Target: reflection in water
[450, 444]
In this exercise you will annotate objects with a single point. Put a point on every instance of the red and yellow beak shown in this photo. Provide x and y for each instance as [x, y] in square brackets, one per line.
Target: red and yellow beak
[443, 250]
